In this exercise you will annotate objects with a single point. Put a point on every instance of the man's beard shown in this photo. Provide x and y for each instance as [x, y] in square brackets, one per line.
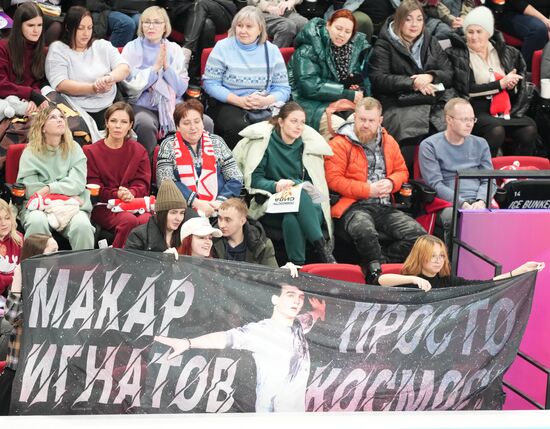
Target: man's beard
[366, 136]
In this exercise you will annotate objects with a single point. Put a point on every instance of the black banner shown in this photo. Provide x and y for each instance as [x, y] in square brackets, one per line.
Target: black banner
[109, 331]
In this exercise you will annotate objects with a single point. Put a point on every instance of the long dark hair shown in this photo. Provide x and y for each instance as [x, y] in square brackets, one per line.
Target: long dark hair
[286, 110]
[16, 43]
[162, 220]
[74, 16]
[34, 244]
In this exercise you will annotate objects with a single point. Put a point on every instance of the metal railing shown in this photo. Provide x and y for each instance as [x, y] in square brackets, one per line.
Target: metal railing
[457, 244]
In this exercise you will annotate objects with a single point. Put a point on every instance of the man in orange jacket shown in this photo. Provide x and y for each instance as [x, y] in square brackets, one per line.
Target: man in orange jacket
[366, 169]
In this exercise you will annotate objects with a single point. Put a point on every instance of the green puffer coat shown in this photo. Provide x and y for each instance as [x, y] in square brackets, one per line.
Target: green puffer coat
[312, 73]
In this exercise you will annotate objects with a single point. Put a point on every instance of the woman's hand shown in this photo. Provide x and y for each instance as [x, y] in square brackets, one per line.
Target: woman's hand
[528, 266]
[284, 184]
[161, 58]
[358, 96]
[420, 81]
[103, 84]
[203, 207]
[510, 80]
[31, 108]
[172, 251]
[215, 204]
[125, 194]
[43, 191]
[259, 101]
[457, 23]
[423, 284]
[284, 6]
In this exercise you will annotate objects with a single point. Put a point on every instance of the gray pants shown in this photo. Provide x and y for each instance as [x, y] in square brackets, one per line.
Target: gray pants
[283, 29]
[367, 224]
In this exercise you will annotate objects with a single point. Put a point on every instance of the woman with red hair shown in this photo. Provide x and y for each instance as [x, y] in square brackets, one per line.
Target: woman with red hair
[329, 64]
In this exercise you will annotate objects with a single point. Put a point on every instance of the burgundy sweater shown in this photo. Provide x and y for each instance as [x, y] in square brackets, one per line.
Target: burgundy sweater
[7, 76]
[128, 166]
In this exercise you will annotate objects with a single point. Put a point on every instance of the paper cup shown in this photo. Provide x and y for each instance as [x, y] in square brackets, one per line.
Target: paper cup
[94, 189]
[545, 88]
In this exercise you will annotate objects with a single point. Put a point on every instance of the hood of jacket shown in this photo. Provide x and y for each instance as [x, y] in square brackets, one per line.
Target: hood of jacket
[314, 143]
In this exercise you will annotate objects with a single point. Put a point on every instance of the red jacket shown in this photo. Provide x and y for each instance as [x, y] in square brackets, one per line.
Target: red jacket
[347, 170]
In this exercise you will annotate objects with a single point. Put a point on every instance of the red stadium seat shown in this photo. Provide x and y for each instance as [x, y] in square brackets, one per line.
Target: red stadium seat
[535, 67]
[511, 40]
[12, 161]
[391, 268]
[2, 366]
[538, 162]
[344, 272]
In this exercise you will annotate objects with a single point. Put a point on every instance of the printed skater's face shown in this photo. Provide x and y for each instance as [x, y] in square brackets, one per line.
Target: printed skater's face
[290, 302]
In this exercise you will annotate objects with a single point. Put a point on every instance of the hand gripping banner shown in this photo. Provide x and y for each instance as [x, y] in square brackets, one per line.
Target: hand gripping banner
[112, 331]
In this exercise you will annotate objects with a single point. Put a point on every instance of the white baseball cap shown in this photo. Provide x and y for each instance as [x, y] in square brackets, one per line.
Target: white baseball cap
[199, 226]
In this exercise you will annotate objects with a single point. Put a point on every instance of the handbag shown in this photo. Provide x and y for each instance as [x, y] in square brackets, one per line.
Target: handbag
[259, 115]
[77, 124]
[415, 99]
[12, 131]
[342, 105]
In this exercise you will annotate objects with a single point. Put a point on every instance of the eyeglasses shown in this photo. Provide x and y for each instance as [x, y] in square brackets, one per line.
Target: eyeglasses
[152, 23]
[435, 258]
[465, 120]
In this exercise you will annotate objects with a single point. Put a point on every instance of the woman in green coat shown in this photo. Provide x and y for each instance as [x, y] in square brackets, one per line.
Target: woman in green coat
[277, 155]
[329, 64]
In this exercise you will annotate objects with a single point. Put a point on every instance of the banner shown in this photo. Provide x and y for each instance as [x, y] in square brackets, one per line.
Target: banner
[113, 331]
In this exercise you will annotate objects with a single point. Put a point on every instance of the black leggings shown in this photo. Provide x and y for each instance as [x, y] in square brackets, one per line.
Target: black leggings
[523, 140]
[229, 120]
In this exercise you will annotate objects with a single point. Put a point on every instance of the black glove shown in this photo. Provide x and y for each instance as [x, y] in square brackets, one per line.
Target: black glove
[356, 79]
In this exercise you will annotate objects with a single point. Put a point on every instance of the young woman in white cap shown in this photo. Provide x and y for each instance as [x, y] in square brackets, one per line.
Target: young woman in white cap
[161, 232]
[196, 237]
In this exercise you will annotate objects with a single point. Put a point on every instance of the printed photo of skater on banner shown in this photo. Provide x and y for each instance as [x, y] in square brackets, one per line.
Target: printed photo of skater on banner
[113, 331]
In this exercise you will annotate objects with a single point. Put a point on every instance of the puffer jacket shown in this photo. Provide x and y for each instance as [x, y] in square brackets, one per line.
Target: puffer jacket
[250, 150]
[510, 58]
[347, 170]
[312, 73]
[259, 248]
[390, 71]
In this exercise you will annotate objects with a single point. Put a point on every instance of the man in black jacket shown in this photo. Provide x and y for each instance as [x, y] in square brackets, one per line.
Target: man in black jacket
[243, 239]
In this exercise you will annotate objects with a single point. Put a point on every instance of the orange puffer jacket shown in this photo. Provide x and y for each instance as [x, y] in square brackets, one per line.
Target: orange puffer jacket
[346, 171]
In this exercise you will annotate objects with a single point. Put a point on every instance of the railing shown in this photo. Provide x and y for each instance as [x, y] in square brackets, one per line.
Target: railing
[457, 244]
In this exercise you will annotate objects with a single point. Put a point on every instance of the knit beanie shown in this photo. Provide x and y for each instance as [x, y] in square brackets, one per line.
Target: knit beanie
[169, 197]
[481, 16]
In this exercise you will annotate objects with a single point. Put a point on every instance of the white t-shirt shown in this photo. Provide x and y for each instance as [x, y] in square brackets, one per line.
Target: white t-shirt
[63, 63]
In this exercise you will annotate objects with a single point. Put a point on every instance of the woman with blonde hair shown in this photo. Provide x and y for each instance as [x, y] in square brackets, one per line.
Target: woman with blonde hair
[52, 163]
[245, 76]
[11, 241]
[158, 79]
[427, 267]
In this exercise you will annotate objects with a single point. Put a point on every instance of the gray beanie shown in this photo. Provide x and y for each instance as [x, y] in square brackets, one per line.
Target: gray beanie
[169, 197]
[481, 16]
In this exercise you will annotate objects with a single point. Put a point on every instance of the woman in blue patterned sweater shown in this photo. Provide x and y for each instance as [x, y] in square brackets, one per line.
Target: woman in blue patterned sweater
[244, 75]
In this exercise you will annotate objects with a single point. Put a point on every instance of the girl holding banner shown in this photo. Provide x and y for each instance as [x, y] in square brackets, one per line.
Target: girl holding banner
[427, 267]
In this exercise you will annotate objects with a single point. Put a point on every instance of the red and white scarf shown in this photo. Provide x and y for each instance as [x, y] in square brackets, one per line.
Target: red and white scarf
[206, 186]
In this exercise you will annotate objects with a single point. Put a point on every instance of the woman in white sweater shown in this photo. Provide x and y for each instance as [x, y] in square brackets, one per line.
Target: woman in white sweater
[84, 69]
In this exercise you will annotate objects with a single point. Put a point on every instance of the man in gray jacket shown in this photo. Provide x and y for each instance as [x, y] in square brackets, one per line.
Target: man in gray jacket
[443, 154]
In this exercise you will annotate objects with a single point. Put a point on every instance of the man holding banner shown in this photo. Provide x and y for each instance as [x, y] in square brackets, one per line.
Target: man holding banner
[278, 345]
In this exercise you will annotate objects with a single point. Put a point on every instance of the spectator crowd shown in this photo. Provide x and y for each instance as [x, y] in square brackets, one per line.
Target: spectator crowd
[200, 115]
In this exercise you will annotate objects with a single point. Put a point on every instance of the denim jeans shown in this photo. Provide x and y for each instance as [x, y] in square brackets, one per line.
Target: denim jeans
[527, 28]
[122, 27]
